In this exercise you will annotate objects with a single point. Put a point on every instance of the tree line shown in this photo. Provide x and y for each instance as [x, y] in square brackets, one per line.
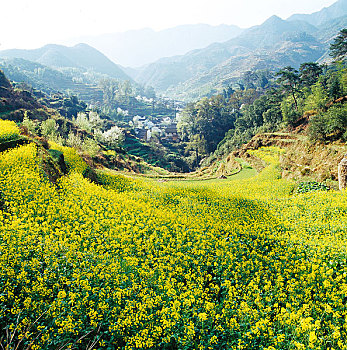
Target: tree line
[268, 102]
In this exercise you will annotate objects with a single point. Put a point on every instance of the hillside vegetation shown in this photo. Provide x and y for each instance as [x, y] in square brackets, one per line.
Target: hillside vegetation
[310, 101]
[68, 121]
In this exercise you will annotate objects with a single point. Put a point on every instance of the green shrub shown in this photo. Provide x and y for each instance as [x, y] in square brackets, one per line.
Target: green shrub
[49, 129]
[310, 186]
[332, 123]
[29, 124]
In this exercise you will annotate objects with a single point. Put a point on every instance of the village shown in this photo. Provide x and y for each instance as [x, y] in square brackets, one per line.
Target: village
[161, 124]
[147, 127]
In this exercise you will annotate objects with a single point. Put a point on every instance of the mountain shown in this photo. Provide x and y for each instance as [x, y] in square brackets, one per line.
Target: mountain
[54, 58]
[80, 56]
[336, 10]
[328, 30]
[168, 72]
[139, 47]
[272, 45]
[228, 72]
[272, 31]
[13, 102]
[196, 73]
[276, 40]
[50, 80]
[326, 34]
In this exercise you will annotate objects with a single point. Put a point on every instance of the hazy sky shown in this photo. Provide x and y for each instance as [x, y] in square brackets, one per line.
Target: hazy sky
[33, 23]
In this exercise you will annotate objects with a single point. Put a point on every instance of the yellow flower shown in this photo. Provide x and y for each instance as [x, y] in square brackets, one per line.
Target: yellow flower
[202, 316]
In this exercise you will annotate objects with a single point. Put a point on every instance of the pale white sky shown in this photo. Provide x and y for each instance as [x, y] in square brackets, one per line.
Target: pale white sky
[34, 23]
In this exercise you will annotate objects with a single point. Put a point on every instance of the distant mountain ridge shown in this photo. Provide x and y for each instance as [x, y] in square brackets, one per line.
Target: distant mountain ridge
[336, 10]
[269, 33]
[228, 72]
[79, 56]
[197, 64]
[271, 45]
[139, 47]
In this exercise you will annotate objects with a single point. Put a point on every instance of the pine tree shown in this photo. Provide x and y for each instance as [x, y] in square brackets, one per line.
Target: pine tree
[339, 47]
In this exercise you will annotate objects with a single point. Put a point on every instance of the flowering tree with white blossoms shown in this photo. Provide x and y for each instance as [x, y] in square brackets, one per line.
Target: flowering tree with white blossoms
[112, 137]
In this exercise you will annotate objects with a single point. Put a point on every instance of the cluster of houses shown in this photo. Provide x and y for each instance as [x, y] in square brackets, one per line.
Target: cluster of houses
[145, 129]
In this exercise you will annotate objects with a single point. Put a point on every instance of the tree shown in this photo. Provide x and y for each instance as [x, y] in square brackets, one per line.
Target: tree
[29, 124]
[318, 98]
[49, 128]
[263, 78]
[253, 114]
[248, 79]
[82, 122]
[109, 88]
[331, 124]
[95, 120]
[186, 122]
[74, 140]
[113, 137]
[126, 89]
[339, 47]
[335, 89]
[198, 145]
[227, 92]
[309, 73]
[289, 80]
[291, 112]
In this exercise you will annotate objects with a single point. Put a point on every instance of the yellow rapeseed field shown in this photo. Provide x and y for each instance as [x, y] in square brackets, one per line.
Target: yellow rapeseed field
[138, 264]
[8, 130]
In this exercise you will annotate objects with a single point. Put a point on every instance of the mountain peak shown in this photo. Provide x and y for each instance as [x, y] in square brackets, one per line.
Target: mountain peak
[273, 22]
[50, 47]
[83, 46]
[274, 19]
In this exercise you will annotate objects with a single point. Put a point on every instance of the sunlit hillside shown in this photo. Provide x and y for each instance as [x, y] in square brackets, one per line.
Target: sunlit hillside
[137, 264]
[197, 202]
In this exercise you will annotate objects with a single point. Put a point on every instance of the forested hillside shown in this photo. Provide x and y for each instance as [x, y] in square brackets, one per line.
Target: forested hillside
[67, 121]
[311, 100]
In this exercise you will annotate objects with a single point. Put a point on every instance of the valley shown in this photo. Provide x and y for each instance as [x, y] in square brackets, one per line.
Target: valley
[193, 200]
